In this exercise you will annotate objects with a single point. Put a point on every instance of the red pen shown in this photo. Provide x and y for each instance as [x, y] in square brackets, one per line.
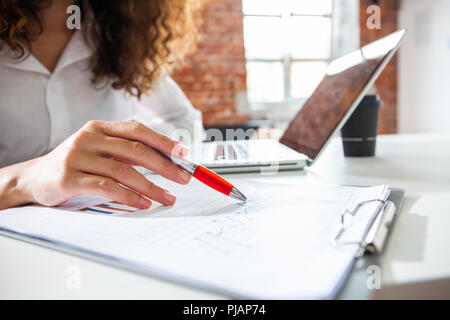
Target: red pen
[209, 178]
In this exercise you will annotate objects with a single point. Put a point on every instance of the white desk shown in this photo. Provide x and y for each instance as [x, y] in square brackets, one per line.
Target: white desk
[417, 249]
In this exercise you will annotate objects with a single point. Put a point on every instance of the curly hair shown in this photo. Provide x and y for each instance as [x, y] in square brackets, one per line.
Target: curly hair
[133, 40]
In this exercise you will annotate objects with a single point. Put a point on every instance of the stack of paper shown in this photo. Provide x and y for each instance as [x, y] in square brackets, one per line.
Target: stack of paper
[274, 246]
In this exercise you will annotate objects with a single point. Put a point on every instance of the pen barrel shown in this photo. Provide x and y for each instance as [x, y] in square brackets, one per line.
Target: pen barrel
[184, 164]
[213, 180]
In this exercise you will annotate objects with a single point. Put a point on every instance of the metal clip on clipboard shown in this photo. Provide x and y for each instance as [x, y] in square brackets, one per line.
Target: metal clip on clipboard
[375, 238]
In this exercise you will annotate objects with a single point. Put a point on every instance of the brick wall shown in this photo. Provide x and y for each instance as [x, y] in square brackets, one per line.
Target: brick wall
[214, 76]
[386, 84]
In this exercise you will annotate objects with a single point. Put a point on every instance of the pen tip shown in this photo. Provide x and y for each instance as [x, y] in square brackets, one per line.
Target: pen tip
[236, 194]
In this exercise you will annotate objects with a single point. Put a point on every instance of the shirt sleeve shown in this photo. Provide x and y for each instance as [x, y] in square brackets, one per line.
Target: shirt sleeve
[169, 111]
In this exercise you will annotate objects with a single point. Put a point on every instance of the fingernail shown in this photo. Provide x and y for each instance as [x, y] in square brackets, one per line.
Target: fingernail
[184, 151]
[184, 176]
[180, 151]
[170, 198]
[145, 203]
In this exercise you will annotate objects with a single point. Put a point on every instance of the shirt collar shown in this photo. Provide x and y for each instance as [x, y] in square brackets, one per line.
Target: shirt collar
[28, 63]
[76, 50]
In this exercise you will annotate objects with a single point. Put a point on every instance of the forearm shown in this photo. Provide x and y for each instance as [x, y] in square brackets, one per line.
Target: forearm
[13, 188]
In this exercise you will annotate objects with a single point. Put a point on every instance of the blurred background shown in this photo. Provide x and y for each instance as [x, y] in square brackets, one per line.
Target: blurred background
[259, 60]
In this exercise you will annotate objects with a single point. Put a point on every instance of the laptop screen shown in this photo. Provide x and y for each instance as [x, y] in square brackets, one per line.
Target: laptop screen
[346, 81]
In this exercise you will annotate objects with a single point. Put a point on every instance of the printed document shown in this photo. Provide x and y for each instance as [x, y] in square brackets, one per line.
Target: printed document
[274, 246]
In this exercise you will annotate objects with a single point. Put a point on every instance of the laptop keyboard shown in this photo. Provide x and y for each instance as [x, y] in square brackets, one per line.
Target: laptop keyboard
[220, 152]
[244, 153]
[239, 150]
[230, 151]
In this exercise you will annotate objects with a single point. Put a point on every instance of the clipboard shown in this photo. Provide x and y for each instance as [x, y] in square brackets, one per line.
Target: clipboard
[376, 237]
[322, 276]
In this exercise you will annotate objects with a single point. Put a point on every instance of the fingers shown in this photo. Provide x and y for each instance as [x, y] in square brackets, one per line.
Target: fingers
[108, 188]
[126, 175]
[137, 153]
[125, 143]
[136, 131]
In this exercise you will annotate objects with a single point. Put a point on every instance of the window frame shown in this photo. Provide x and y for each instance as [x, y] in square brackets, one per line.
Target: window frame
[289, 102]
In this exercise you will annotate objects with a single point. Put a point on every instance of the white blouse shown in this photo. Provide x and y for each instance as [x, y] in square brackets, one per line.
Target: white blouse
[39, 109]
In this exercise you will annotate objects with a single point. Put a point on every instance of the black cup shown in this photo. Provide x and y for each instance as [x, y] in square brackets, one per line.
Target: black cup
[359, 133]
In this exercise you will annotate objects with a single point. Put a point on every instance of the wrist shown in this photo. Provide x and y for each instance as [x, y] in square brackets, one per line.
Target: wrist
[14, 189]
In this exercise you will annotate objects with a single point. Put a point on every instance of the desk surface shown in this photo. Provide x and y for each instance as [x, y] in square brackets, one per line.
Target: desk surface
[417, 250]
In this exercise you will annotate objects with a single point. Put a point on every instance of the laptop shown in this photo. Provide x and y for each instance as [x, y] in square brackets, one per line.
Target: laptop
[345, 83]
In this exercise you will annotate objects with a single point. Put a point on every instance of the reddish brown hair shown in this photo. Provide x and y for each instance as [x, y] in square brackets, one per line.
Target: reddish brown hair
[133, 40]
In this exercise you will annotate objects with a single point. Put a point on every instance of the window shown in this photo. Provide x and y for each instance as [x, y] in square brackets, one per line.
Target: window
[287, 47]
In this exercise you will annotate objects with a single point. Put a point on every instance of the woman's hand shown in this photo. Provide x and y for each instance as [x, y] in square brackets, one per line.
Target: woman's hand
[97, 160]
